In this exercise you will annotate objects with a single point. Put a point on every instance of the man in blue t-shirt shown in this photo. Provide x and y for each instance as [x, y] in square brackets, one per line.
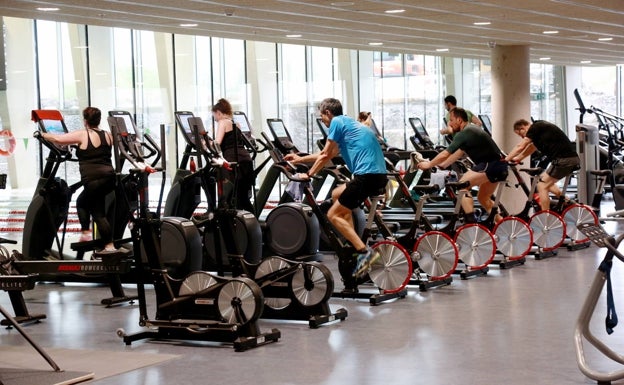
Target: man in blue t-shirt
[362, 154]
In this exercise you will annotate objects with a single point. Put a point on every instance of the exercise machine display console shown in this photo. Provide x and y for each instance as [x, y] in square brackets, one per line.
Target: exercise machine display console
[420, 135]
[283, 141]
[182, 118]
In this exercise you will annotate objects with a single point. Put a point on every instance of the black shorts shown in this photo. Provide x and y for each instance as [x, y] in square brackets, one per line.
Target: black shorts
[562, 167]
[496, 171]
[361, 187]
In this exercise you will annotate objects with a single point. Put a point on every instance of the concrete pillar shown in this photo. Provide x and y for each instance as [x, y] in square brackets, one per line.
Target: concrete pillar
[510, 102]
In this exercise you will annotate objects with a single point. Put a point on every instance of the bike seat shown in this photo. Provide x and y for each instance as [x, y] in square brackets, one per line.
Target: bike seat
[426, 189]
[600, 172]
[457, 185]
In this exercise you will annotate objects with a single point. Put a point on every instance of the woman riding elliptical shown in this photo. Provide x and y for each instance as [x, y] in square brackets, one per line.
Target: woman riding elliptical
[230, 139]
[96, 173]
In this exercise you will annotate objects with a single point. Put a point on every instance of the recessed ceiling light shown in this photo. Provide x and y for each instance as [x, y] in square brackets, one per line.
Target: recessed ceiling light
[442, 50]
[375, 43]
[605, 39]
[188, 25]
[550, 32]
[395, 11]
[47, 9]
[293, 35]
[585, 61]
[544, 58]
[481, 23]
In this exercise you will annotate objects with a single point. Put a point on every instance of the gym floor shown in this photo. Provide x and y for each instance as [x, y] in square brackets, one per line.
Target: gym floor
[512, 326]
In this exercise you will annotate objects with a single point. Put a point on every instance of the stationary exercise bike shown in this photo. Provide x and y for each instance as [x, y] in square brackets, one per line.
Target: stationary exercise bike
[198, 305]
[550, 227]
[389, 273]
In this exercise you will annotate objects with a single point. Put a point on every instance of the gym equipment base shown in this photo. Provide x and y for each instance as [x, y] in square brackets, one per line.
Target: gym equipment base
[468, 273]
[505, 263]
[315, 318]
[426, 284]
[573, 246]
[373, 298]
[242, 337]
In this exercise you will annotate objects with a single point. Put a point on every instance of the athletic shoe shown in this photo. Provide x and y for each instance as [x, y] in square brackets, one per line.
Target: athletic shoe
[364, 262]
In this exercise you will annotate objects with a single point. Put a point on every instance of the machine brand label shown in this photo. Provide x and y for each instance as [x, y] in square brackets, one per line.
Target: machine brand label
[90, 268]
[204, 301]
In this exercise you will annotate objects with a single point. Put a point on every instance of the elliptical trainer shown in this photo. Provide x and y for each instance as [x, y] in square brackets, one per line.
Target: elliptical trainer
[185, 196]
[197, 305]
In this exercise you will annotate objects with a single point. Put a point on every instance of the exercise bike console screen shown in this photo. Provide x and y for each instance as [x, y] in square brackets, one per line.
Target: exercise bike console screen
[282, 139]
[182, 118]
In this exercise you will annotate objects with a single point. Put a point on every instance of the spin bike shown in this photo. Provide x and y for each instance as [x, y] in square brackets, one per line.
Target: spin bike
[550, 227]
[475, 243]
[293, 290]
[389, 273]
[199, 305]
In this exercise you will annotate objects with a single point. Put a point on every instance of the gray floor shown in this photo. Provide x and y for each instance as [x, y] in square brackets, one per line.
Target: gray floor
[512, 326]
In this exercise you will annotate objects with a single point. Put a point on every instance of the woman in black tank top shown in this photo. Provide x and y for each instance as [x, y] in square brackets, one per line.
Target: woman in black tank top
[238, 184]
[96, 173]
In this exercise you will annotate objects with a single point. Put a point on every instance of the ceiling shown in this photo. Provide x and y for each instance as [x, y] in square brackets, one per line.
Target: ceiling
[424, 27]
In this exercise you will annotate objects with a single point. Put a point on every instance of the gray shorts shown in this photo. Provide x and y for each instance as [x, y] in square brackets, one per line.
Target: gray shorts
[562, 167]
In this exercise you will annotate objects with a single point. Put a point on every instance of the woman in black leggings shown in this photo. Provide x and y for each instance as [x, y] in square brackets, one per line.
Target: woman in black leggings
[96, 172]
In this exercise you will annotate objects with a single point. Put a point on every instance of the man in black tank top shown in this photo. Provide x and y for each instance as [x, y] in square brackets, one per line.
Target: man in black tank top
[96, 173]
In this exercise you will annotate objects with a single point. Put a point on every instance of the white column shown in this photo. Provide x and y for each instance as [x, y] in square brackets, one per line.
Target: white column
[510, 102]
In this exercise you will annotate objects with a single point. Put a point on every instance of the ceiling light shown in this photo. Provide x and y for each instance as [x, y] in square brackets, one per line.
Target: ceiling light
[47, 9]
[585, 61]
[481, 23]
[375, 43]
[442, 50]
[605, 39]
[544, 58]
[395, 11]
[188, 25]
[294, 35]
[550, 32]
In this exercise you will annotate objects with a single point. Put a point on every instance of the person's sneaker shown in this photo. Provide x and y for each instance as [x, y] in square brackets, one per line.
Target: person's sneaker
[364, 262]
